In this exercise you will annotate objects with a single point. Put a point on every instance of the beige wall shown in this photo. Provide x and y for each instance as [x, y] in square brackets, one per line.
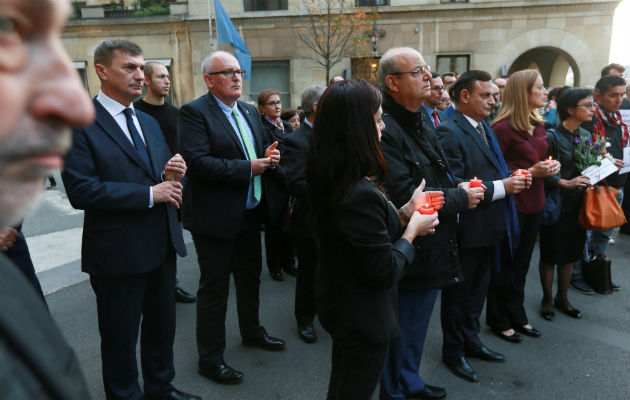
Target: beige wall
[493, 33]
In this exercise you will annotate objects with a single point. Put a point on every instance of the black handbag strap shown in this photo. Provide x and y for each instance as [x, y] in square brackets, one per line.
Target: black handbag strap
[557, 138]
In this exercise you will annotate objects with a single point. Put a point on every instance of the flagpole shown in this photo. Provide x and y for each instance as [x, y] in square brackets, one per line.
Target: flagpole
[213, 45]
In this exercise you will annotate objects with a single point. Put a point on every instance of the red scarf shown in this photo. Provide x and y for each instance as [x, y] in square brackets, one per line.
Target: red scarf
[610, 118]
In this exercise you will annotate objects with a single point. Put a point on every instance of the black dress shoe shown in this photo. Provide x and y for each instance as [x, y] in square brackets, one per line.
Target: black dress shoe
[221, 373]
[580, 286]
[183, 296]
[307, 333]
[265, 342]
[533, 332]
[461, 368]
[429, 392]
[174, 395]
[277, 276]
[513, 338]
[486, 354]
[548, 315]
[571, 312]
[292, 270]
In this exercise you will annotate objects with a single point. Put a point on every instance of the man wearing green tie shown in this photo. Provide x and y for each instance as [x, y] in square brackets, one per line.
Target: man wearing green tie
[230, 160]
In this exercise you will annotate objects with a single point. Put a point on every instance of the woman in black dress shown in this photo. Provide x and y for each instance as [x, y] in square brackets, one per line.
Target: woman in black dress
[278, 244]
[562, 244]
[362, 253]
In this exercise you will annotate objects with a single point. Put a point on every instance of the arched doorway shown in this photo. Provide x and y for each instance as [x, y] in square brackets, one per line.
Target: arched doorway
[556, 66]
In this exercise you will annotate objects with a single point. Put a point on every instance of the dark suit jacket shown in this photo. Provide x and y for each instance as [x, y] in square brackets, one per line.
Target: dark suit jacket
[469, 156]
[105, 176]
[362, 259]
[219, 172]
[293, 161]
[35, 360]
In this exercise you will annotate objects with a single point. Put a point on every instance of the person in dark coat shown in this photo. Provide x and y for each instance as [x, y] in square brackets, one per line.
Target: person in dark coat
[413, 153]
[278, 244]
[362, 253]
[294, 162]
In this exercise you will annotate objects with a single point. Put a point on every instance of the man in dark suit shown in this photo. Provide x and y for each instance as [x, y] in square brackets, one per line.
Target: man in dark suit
[433, 100]
[121, 172]
[294, 162]
[40, 98]
[158, 83]
[485, 232]
[229, 162]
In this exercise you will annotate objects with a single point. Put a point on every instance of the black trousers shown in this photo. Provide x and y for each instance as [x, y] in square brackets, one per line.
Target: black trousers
[357, 366]
[462, 303]
[278, 248]
[505, 302]
[126, 305]
[308, 260]
[218, 258]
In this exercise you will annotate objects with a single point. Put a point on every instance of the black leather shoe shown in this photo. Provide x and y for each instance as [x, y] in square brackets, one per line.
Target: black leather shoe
[221, 373]
[174, 395]
[580, 286]
[548, 315]
[266, 342]
[461, 368]
[486, 354]
[571, 312]
[533, 332]
[292, 270]
[307, 333]
[513, 338]
[183, 296]
[429, 392]
[277, 276]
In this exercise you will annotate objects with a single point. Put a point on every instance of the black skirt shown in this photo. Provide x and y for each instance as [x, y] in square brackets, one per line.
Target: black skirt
[562, 243]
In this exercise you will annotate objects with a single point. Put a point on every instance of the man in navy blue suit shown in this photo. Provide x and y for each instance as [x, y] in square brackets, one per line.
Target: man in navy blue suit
[121, 172]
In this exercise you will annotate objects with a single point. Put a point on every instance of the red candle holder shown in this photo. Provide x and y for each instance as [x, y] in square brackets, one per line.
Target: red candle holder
[521, 172]
[474, 182]
[426, 209]
[549, 160]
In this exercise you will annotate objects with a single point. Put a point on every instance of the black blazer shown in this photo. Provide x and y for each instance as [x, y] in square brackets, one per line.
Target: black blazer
[276, 185]
[293, 161]
[105, 176]
[362, 259]
[469, 156]
[218, 169]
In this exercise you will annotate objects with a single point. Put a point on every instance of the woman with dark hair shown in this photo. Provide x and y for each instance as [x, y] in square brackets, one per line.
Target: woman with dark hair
[362, 253]
[278, 244]
[292, 117]
[562, 244]
[521, 134]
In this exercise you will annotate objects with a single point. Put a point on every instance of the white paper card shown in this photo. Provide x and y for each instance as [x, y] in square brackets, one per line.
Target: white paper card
[596, 174]
[626, 161]
[625, 115]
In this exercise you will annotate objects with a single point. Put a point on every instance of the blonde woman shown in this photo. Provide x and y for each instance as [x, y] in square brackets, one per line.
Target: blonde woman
[521, 134]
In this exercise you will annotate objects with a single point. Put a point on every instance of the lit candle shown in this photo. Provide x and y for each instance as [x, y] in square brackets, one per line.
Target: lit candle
[549, 160]
[426, 209]
[521, 172]
[474, 182]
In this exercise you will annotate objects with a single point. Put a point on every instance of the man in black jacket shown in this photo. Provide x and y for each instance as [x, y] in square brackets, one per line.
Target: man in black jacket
[294, 162]
[40, 97]
[413, 153]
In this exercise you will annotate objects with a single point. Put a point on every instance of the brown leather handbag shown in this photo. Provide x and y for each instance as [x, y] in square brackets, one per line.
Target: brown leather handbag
[600, 209]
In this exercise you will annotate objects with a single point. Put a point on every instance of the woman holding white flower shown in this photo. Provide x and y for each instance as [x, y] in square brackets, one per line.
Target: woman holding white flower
[562, 244]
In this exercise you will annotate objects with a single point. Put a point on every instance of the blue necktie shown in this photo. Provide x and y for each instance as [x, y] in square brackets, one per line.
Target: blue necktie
[135, 137]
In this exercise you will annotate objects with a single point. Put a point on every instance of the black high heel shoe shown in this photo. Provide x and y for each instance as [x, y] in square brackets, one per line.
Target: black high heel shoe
[573, 312]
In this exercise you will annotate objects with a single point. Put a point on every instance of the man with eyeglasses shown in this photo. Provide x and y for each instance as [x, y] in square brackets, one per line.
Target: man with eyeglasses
[431, 102]
[607, 122]
[413, 153]
[229, 163]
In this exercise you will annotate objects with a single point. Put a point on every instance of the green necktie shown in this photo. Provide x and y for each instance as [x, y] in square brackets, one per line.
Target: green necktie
[250, 152]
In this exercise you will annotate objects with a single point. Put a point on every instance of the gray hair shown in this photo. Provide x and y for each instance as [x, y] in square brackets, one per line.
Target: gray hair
[206, 64]
[311, 96]
[104, 52]
[388, 64]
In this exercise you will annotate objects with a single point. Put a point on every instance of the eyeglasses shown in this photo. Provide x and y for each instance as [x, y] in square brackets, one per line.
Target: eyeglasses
[273, 103]
[587, 105]
[416, 72]
[229, 73]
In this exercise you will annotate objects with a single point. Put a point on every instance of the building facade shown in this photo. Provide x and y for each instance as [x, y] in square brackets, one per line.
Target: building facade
[568, 41]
